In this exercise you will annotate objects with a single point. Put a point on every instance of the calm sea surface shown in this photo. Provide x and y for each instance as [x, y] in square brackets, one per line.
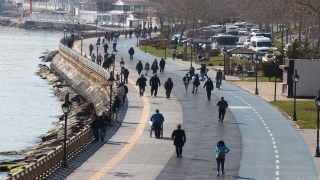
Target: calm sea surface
[28, 107]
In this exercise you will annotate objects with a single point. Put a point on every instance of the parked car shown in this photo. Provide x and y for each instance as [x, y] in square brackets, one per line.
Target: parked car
[243, 32]
[240, 44]
[247, 43]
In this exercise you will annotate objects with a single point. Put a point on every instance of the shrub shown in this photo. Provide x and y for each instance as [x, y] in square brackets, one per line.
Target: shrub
[210, 64]
[220, 64]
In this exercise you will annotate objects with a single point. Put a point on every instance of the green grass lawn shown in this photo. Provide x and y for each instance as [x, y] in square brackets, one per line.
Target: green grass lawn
[306, 112]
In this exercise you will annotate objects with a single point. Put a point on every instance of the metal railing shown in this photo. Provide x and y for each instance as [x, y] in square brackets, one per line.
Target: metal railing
[46, 165]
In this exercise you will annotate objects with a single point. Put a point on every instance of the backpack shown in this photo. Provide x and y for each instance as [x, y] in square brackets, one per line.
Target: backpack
[221, 154]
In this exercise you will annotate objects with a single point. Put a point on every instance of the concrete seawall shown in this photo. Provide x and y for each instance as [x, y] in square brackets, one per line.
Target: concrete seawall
[86, 82]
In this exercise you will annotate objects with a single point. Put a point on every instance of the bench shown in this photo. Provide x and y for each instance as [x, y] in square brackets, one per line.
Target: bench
[250, 73]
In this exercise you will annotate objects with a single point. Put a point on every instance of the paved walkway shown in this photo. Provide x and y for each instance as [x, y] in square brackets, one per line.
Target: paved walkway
[263, 143]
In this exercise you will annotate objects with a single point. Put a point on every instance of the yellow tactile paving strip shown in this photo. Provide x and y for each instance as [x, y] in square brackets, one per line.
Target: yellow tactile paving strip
[134, 138]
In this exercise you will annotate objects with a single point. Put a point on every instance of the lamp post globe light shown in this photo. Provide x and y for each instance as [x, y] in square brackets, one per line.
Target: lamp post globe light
[96, 21]
[256, 72]
[66, 109]
[317, 101]
[224, 51]
[295, 78]
[122, 66]
[110, 82]
[81, 42]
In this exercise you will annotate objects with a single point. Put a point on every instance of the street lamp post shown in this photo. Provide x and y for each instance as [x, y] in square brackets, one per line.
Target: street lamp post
[256, 72]
[114, 52]
[122, 66]
[275, 77]
[66, 109]
[96, 21]
[317, 101]
[191, 50]
[81, 43]
[66, 30]
[224, 51]
[295, 78]
[110, 82]
[137, 35]
[145, 43]
[97, 49]
[78, 30]
[123, 20]
[165, 45]
[169, 28]
[64, 35]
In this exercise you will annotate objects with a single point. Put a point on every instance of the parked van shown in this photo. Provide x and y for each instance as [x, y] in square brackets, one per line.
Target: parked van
[232, 29]
[261, 44]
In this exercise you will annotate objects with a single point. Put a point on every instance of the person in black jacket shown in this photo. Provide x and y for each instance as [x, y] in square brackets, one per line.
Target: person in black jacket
[154, 82]
[139, 67]
[130, 33]
[209, 87]
[131, 53]
[116, 104]
[105, 47]
[196, 83]
[90, 49]
[126, 90]
[141, 81]
[125, 73]
[168, 85]
[162, 64]
[104, 120]
[179, 138]
[95, 125]
[154, 67]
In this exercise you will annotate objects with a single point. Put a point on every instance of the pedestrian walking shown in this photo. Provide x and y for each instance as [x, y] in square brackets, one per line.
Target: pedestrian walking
[126, 92]
[93, 57]
[174, 53]
[179, 139]
[221, 151]
[131, 53]
[162, 64]
[168, 85]
[139, 67]
[125, 34]
[95, 125]
[114, 44]
[191, 71]
[203, 69]
[104, 120]
[222, 108]
[154, 66]
[196, 83]
[105, 47]
[206, 71]
[99, 59]
[90, 49]
[141, 81]
[186, 81]
[154, 82]
[121, 92]
[146, 68]
[157, 119]
[218, 78]
[116, 104]
[130, 33]
[125, 73]
[209, 87]
[155, 29]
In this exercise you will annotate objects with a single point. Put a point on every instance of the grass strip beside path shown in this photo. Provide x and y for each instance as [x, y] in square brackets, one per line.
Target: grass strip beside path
[306, 112]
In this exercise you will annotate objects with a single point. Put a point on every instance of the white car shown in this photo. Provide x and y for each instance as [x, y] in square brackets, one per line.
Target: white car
[247, 43]
[243, 32]
[240, 44]
[255, 29]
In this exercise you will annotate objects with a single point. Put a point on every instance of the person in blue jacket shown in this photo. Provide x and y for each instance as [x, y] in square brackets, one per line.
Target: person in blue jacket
[221, 151]
[157, 119]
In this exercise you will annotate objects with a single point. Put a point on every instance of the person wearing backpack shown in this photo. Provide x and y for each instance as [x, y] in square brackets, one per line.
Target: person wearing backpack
[221, 151]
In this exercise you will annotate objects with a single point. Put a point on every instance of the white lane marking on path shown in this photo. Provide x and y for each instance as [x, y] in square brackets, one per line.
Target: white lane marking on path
[277, 173]
[267, 127]
[277, 167]
[270, 134]
[277, 161]
[277, 178]
[277, 156]
[275, 147]
[276, 151]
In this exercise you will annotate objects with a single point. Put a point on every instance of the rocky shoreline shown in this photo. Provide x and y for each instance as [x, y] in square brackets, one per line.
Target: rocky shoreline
[78, 118]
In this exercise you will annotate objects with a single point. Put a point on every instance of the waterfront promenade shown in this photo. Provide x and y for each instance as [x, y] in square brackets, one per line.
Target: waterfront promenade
[263, 143]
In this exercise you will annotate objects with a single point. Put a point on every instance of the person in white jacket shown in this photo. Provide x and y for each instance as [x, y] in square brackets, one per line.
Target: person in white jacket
[121, 92]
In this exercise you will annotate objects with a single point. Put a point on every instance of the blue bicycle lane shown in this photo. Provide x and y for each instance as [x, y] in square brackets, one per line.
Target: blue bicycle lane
[271, 146]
